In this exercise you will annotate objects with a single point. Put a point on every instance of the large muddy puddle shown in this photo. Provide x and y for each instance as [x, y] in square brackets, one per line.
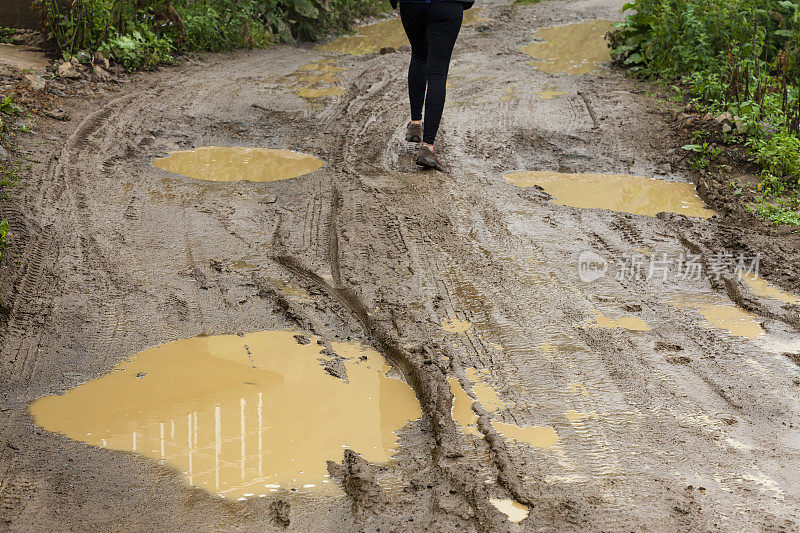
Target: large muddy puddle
[572, 49]
[242, 416]
[387, 33]
[236, 163]
[719, 313]
[617, 192]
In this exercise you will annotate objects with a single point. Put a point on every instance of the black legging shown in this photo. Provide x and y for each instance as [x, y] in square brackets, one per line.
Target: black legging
[432, 30]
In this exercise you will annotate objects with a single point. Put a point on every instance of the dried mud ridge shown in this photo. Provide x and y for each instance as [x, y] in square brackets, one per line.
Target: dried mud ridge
[693, 428]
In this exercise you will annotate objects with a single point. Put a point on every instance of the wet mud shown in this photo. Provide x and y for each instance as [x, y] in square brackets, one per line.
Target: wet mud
[538, 401]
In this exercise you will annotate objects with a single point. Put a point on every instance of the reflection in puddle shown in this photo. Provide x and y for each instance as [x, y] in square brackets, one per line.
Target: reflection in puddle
[763, 288]
[721, 314]
[317, 80]
[626, 322]
[515, 511]
[240, 415]
[466, 419]
[572, 49]
[617, 192]
[387, 33]
[454, 325]
[235, 163]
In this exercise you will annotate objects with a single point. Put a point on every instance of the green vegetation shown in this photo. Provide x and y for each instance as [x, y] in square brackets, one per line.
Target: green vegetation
[6, 34]
[147, 33]
[526, 2]
[737, 56]
[8, 172]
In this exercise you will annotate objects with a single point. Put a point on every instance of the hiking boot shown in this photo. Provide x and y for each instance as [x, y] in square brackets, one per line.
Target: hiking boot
[427, 158]
[414, 133]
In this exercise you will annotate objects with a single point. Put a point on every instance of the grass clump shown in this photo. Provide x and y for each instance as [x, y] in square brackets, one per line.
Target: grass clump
[739, 56]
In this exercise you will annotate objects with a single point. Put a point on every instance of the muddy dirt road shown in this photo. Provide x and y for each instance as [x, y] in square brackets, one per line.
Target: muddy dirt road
[644, 403]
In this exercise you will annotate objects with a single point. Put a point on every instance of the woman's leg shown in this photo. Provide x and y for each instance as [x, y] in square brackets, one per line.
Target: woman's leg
[443, 26]
[415, 22]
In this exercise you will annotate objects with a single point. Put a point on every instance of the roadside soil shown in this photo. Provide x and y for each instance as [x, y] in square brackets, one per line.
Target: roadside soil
[689, 428]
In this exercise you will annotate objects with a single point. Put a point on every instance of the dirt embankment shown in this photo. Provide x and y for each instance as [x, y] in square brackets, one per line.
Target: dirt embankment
[680, 425]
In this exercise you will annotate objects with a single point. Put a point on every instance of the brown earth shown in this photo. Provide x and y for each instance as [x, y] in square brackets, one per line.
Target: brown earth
[696, 429]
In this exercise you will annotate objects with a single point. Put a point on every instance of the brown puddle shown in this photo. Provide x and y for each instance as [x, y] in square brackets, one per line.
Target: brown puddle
[515, 511]
[572, 49]
[721, 314]
[240, 416]
[235, 163]
[317, 80]
[387, 33]
[466, 419]
[631, 323]
[617, 192]
[763, 288]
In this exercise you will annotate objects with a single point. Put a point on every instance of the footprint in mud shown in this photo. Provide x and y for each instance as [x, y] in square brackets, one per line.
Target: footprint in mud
[383, 34]
[572, 49]
[235, 163]
[240, 415]
[616, 192]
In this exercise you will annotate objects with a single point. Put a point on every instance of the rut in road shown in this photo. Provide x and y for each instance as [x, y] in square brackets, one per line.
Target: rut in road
[680, 427]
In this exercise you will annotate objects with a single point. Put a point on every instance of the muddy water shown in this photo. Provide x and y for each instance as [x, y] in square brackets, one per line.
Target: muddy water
[317, 80]
[721, 314]
[572, 49]
[240, 416]
[487, 397]
[454, 325]
[617, 192]
[631, 323]
[515, 511]
[763, 288]
[387, 33]
[217, 163]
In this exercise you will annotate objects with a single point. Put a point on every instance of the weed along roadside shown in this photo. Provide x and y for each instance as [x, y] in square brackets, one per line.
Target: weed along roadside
[233, 301]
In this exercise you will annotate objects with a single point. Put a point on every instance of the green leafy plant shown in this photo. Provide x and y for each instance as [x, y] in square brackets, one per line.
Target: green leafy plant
[739, 56]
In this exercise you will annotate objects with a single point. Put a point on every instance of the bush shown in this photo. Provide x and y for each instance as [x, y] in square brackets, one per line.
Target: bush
[146, 33]
[741, 56]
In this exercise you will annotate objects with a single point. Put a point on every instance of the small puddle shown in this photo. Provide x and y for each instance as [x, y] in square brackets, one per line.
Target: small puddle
[572, 49]
[235, 163]
[617, 192]
[576, 416]
[763, 288]
[550, 94]
[466, 419]
[721, 315]
[515, 511]
[317, 80]
[387, 33]
[454, 325]
[631, 323]
[241, 416]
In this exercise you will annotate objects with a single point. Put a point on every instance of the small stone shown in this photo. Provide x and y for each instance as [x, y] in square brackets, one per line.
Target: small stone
[708, 117]
[387, 50]
[58, 114]
[100, 73]
[35, 82]
[725, 117]
[726, 127]
[67, 70]
[102, 60]
[689, 108]
[740, 126]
